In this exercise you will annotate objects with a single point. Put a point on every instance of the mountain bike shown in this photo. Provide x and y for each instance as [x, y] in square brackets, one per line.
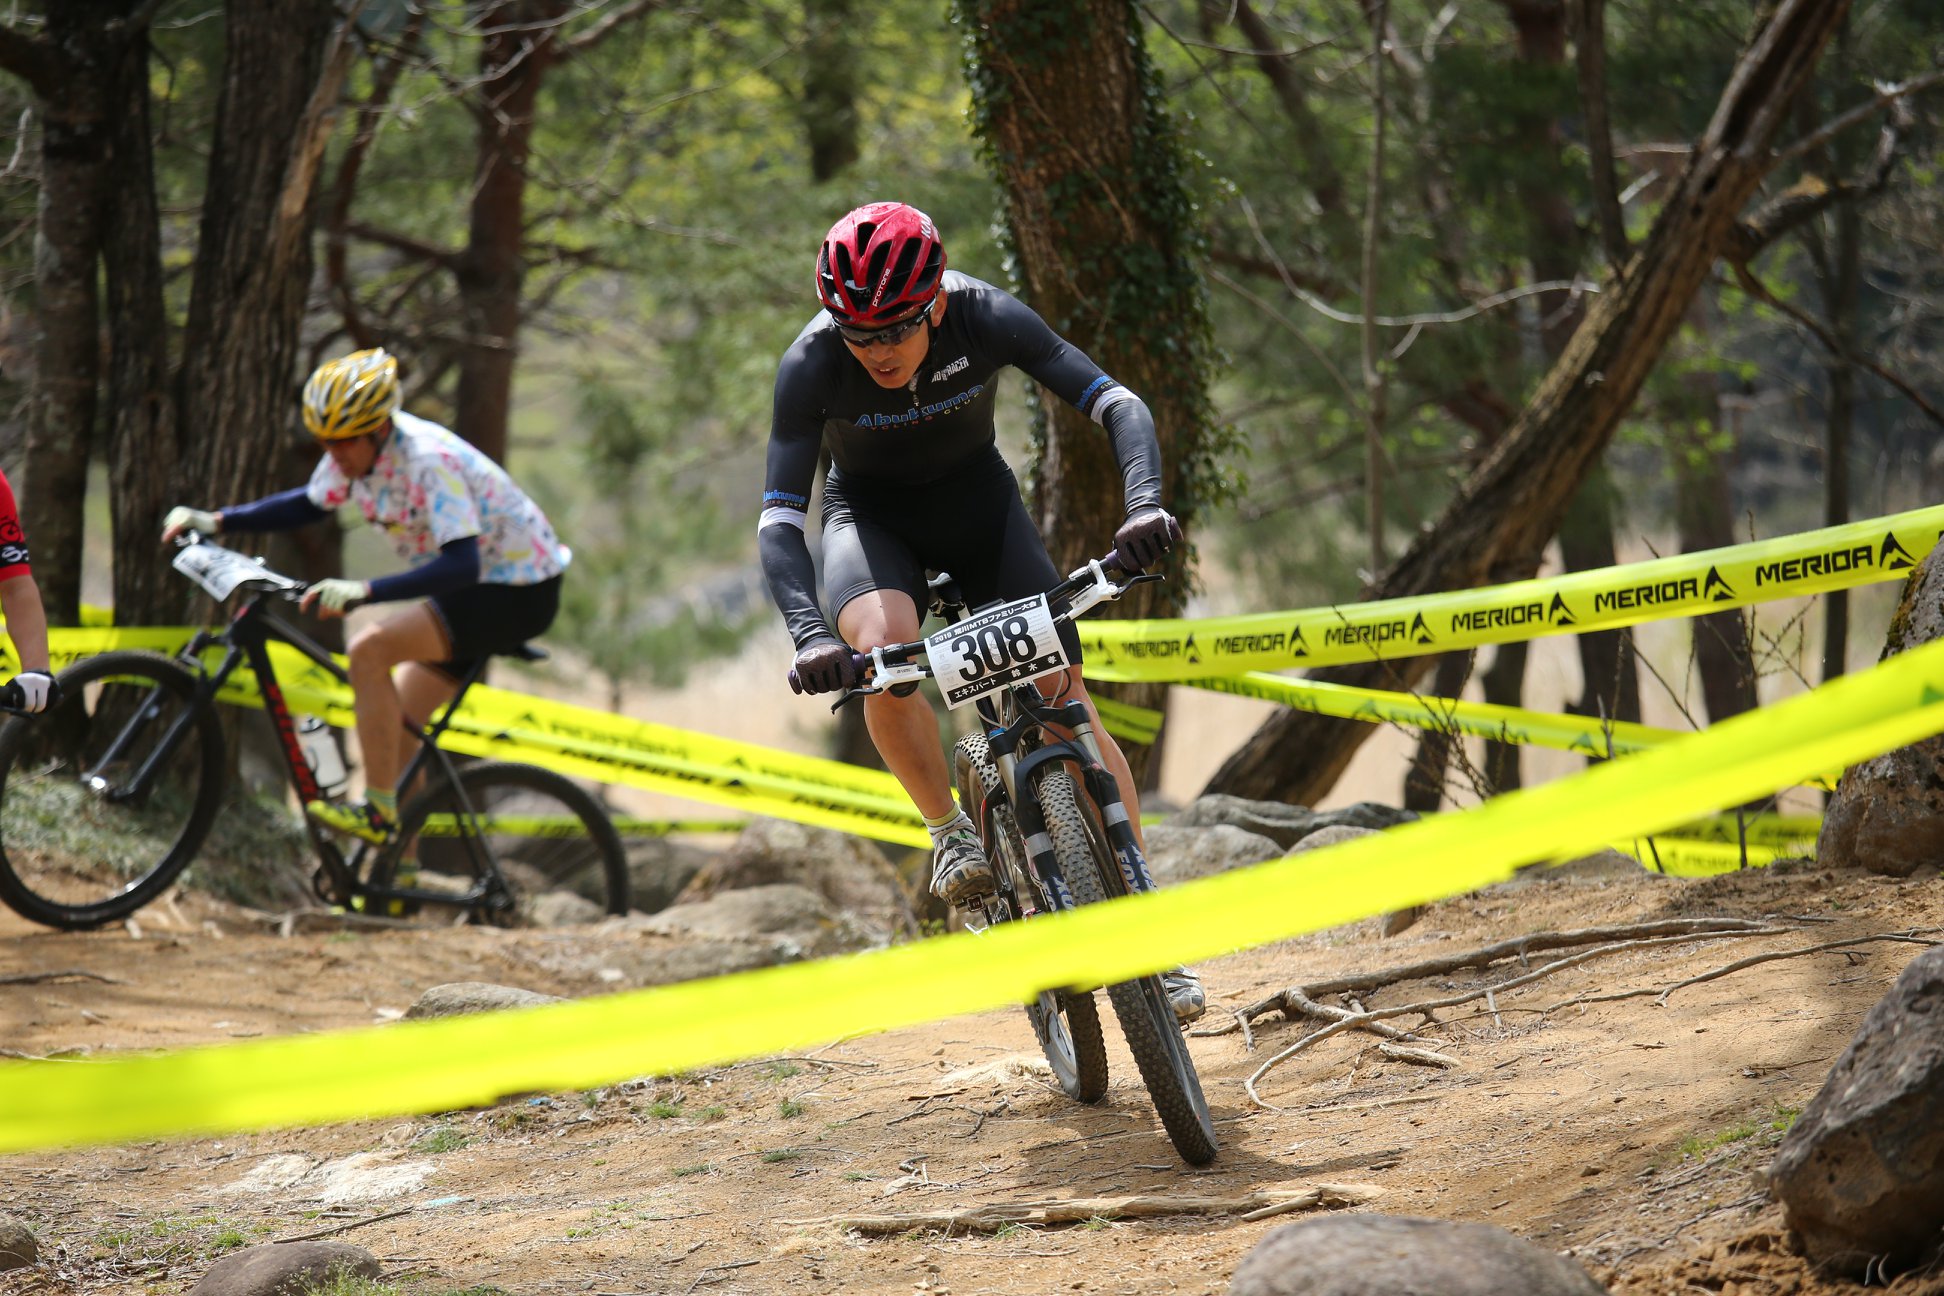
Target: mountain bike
[1051, 819]
[108, 795]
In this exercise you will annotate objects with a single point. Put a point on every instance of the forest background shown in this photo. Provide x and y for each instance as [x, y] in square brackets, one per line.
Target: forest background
[1424, 295]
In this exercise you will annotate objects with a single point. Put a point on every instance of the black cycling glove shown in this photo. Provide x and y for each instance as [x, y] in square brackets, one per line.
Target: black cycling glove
[824, 666]
[1145, 538]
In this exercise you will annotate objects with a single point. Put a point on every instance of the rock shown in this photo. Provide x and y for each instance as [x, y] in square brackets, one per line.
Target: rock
[18, 1249]
[784, 911]
[851, 875]
[459, 997]
[1887, 815]
[1176, 854]
[562, 909]
[366, 1176]
[1389, 1255]
[1286, 824]
[658, 869]
[1861, 1174]
[1333, 835]
[285, 1269]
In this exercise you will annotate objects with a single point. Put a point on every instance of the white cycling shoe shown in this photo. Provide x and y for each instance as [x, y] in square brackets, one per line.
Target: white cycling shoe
[960, 870]
[1185, 994]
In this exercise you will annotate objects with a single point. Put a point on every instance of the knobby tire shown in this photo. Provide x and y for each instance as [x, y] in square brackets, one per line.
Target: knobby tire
[73, 856]
[1066, 1022]
[544, 832]
[1146, 1018]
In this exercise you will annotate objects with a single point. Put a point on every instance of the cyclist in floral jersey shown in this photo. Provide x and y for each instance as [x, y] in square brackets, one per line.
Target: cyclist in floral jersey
[480, 553]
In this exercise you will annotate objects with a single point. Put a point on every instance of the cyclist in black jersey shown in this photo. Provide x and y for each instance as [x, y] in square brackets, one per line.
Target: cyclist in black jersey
[895, 376]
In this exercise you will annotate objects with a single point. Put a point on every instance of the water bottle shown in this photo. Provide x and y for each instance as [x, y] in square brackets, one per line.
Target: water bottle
[322, 755]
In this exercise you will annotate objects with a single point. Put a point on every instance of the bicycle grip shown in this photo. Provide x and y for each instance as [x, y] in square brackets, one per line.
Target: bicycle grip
[11, 697]
[796, 685]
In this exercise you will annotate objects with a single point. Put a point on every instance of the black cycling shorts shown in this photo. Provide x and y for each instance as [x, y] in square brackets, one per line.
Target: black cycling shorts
[481, 620]
[971, 523]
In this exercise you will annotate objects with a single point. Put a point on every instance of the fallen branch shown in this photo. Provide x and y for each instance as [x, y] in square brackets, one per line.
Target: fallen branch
[345, 1228]
[1417, 1057]
[994, 1216]
[37, 978]
[1363, 1018]
[1915, 936]
[1292, 1000]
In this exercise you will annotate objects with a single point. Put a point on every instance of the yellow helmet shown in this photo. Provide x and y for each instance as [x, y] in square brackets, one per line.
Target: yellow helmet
[351, 396]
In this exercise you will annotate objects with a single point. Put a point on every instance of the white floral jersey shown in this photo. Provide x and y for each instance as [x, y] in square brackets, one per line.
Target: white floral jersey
[429, 488]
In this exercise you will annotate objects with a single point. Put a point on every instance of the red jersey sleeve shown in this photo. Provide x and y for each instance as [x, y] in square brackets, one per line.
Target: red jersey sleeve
[13, 541]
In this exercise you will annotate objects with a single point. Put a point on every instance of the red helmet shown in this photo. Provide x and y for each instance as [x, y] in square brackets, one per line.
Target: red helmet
[879, 264]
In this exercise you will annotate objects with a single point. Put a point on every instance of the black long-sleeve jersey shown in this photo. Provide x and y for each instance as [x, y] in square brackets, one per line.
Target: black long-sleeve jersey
[939, 424]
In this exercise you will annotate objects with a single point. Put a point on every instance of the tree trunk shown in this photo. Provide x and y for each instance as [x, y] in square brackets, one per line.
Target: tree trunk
[517, 48]
[1104, 230]
[1424, 785]
[237, 390]
[143, 433]
[1839, 295]
[830, 86]
[1609, 676]
[75, 67]
[1705, 517]
[1501, 519]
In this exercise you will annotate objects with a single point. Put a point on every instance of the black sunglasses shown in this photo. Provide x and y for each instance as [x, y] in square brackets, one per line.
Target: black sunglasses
[890, 335]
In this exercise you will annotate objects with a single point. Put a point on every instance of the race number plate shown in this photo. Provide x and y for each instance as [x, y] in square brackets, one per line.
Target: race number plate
[991, 649]
[221, 571]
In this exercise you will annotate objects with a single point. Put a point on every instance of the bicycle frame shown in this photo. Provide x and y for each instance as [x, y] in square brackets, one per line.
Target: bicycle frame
[246, 641]
[1022, 737]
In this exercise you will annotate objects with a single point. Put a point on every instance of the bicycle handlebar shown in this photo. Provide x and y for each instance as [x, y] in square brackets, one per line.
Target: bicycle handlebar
[1076, 580]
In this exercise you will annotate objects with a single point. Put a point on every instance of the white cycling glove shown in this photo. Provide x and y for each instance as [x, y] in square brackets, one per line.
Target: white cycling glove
[336, 596]
[34, 687]
[182, 518]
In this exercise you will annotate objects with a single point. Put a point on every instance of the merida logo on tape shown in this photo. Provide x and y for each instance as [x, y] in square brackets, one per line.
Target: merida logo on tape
[1893, 557]
[1828, 563]
[1162, 648]
[1717, 589]
[1276, 641]
[1648, 595]
[1380, 632]
[1376, 632]
[1497, 618]
[1558, 613]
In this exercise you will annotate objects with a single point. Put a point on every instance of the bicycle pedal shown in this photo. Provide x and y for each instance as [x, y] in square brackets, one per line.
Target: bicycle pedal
[982, 911]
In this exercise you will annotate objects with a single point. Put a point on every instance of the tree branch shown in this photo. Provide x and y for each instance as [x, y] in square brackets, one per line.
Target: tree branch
[1586, 22]
[397, 242]
[611, 22]
[1886, 93]
[32, 59]
[1757, 289]
[1810, 196]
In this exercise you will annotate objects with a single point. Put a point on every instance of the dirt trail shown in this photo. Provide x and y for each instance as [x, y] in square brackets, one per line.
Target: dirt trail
[1626, 1133]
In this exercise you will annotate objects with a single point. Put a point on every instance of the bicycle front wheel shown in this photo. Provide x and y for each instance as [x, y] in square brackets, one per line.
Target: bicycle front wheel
[1146, 1018]
[106, 796]
[1066, 1022]
[549, 841]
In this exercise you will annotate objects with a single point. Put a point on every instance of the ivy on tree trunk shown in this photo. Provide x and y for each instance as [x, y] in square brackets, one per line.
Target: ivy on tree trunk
[1100, 217]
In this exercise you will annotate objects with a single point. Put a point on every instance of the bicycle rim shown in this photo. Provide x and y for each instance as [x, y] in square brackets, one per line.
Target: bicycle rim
[1066, 1022]
[81, 844]
[550, 842]
[1146, 1018]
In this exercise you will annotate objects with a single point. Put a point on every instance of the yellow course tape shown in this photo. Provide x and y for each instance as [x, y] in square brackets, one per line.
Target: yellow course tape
[505, 725]
[1582, 734]
[1686, 857]
[1587, 736]
[1812, 562]
[461, 1062]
